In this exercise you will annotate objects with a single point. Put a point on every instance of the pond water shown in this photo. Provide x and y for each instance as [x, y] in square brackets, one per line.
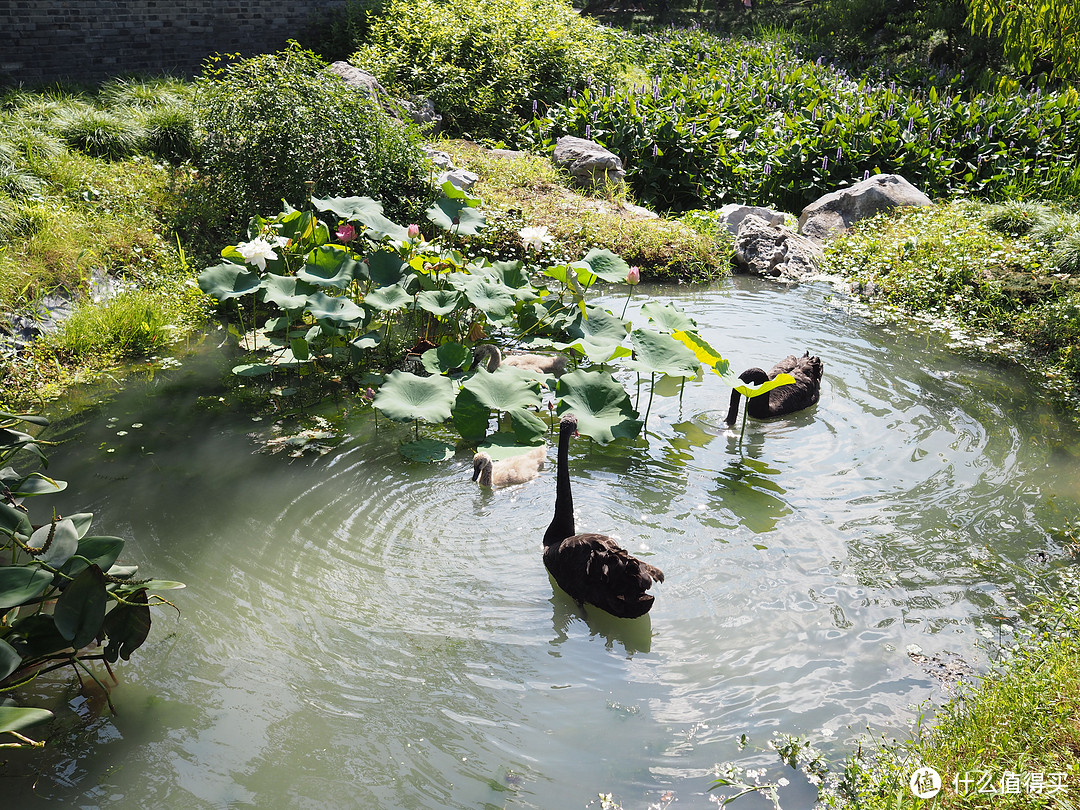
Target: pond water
[363, 631]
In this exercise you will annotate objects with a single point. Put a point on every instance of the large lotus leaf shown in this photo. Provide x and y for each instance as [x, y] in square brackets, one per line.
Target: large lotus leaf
[494, 300]
[19, 583]
[439, 302]
[9, 660]
[528, 425]
[17, 718]
[458, 216]
[80, 609]
[550, 316]
[330, 266]
[228, 280]
[447, 357]
[336, 309]
[512, 274]
[598, 351]
[706, 354]
[606, 265]
[388, 299]
[252, 369]
[287, 292]
[427, 451]
[657, 353]
[599, 324]
[503, 445]
[368, 340]
[405, 397]
[470, 416]
[65, 541]
[127, 626]
[503, 390]
[668, 317]
[385, 268]
[351, 209]
[302, 228]
[600, 403]
[453, 192]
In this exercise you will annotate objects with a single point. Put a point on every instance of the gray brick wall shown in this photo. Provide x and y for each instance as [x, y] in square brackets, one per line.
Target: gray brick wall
[46, 40]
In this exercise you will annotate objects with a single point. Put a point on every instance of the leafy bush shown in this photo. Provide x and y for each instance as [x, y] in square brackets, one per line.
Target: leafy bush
[485, 62]
[756, 122]
[275, 122]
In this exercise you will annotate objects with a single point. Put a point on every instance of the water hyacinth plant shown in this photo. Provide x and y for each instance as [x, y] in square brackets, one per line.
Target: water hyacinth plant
[364, 300]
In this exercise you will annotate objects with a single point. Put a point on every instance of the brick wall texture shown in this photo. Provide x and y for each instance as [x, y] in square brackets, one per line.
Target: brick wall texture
[91, 40]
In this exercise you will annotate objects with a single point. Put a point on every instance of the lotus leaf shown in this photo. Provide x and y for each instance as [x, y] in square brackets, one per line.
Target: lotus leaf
[446, 357]
[351, 209]
[330, 266]
[706, 354]
[80, 609]
[606, 265]
[501, 446]
[494, 300]
[503, 390]
[21, 583]
[511, 274]
[301, 228]
[458, 216]
[368, 340]
[600, 403]
[427, 451]
[405, 397]
[657, 353]
[385, 268]
[287, 292]
[252, 369]
[668, 317]
[757, 390]
[228, 280]
[528, 425]
[336, 309]
[470, 416]
[388, 299]
[439, 302]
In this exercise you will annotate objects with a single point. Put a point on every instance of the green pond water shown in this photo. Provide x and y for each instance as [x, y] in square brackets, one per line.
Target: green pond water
[363, 631]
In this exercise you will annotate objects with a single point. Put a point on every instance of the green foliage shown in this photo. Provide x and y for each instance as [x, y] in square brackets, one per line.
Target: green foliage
[484, 64]
[726, 120]
[60, 587]
[99, 133]
[1038, 35]
[169, 131]
[1016, 217]
[275, 123]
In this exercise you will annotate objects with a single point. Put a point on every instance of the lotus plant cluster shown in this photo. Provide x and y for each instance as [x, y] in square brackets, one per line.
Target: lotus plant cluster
[335, 303]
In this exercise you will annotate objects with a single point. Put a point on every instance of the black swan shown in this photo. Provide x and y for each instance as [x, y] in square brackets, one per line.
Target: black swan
[591, 567]
[789, 398]
[507, 471]
[541, 363]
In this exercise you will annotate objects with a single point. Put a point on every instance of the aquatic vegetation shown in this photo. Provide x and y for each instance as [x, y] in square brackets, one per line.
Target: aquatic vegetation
[62, 591]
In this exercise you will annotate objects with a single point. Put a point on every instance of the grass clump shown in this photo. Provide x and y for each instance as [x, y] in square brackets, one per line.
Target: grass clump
[276, 122]
[100, 133]
[484, 63]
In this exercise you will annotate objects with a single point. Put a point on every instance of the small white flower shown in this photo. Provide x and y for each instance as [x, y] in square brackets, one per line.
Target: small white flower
[257, 252]
[535, 237]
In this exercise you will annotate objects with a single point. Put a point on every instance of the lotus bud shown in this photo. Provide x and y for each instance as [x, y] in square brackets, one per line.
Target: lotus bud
[414, 231]
[633, 276]
[346, 233]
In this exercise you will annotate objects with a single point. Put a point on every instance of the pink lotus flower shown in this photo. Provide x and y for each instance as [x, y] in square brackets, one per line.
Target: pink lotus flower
[414, 231]
[634, 275]
[346, 233]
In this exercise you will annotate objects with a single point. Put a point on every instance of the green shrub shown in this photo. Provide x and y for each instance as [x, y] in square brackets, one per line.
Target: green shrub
[485, 62]
[169, 131]
[1016, 217]
[274, 122]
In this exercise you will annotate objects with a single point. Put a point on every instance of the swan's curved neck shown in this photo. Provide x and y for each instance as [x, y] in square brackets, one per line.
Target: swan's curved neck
[562, 524]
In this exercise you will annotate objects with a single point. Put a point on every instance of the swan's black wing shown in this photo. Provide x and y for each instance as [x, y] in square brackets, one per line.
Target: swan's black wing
[804, 392]
[594, 568]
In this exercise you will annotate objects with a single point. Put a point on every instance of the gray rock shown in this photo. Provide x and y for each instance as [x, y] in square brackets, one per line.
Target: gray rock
[732, 215]
[588, 163]
[419, 110]
[836, 212]
[360, 79]
[462, 178]
[776, 251]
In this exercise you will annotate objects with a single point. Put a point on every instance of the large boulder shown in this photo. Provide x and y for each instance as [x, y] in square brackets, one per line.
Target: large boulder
[732, 215]
[588, 163]
[419, 110]
[766, 249]
[836, 212]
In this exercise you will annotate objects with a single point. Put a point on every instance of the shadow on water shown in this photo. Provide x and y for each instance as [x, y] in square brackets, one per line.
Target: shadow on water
[633, 635]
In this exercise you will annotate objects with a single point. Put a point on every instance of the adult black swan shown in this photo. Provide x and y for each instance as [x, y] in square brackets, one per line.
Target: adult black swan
[592, 568]
[804, 392]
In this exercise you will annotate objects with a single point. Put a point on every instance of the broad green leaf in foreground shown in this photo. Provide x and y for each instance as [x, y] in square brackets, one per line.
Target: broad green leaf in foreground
[228, 280]
[405, 397]
[668, 317]
[600, 403]
[657, 353]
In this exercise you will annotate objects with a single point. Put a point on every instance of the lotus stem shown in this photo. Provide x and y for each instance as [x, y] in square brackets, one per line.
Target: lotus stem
[652, 387]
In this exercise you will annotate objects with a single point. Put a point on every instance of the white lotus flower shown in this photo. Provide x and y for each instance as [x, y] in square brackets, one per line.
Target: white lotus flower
[257, 252]
[535, 237]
